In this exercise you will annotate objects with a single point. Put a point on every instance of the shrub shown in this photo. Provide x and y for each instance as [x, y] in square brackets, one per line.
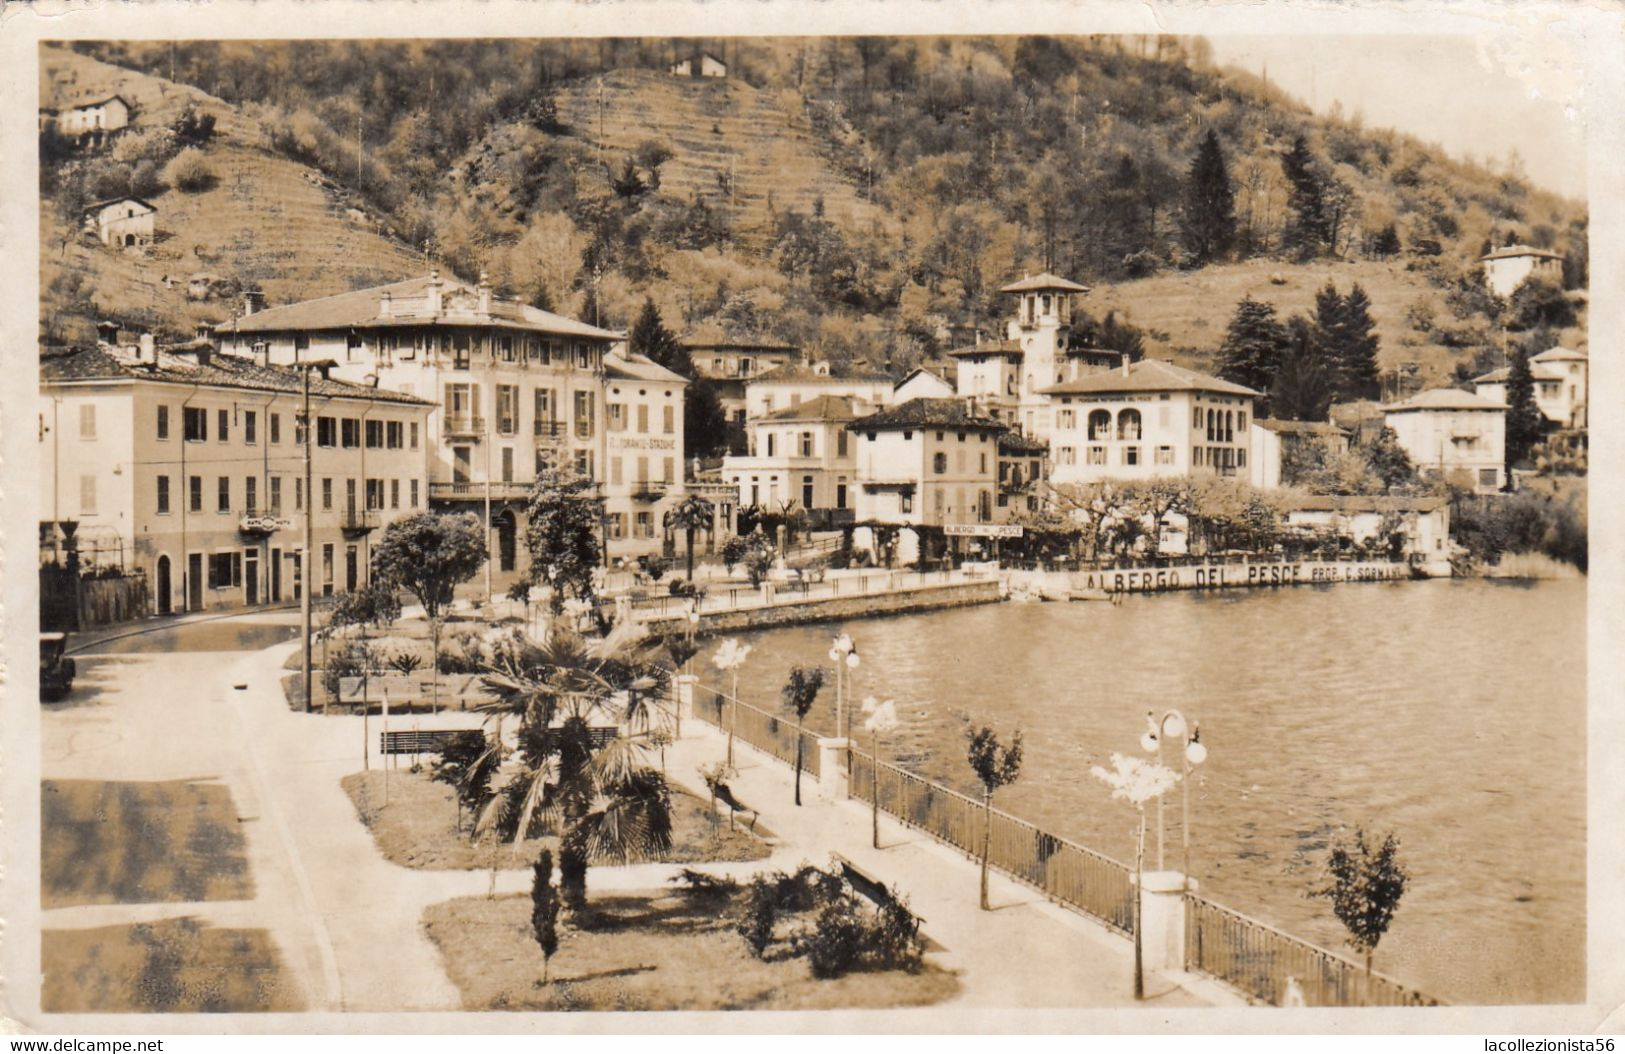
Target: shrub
[189, 171]
[707, 887]
[406, 663]
[354, 658]
[837, 941]
[733, 552]
[760, 913]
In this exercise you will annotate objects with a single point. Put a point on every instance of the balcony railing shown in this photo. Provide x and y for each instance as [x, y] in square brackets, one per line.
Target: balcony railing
[550, 429]
[649, 490]
[463, 426]
[475, 491]
[359, 520]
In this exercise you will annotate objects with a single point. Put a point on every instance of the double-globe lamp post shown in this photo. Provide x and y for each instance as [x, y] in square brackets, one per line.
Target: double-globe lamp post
[1173, 726]
[844, 654]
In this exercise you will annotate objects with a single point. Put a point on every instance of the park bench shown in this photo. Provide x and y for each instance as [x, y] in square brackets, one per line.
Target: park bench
[725, 795]
[432, 741]
[868, 886]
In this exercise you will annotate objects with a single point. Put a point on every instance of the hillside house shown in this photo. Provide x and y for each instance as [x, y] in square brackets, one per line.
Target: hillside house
[93, 122]
[701, 65]
[1560, 385]
[122, 223]
[1452, 433]
[1505, 269]
[731, 362]
[792, 385]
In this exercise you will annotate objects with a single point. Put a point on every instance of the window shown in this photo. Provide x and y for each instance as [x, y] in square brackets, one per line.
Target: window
[617, 526]
[1066, 419]
[983, 467]
[298, 494]
[666, 468]
[939, 462]
[584, 463]
[414, 434]
[1165, 455]
[1196, 417]
[905, 502]
[645, 525]
[163, 495]
[301, 429]
[505, 348]
[327, 493]
[507, 409]
[840, 443]
[1486, 477]
[1066, 455]
[806, 492]
[223, 494]
[617, 417]
[1131, 455]
[375, 435]
[1097, 455]
[375, 494]
[1100, 424]
[225, 426]
[163, 422]
[195, 424]
[349, 495]
[583, 355]
[643, 418]
[251, 493]
[327, 431]
[392, 435]
[250, 427]
[544, 411]
[643, 470]
[668, 419]
[1241, 420]
[770, 444]
[806, 444]
[394, 493]
[87, 421]
[87, 495]
[194, 487]
[1128, 426]
[840, 492]
[584, 413]
[507, 464]
[350, 433]
[225, 570]
[327, 569]
[276, 495]
[276, 428]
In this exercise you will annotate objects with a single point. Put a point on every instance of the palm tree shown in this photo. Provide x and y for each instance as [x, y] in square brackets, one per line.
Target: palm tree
[606, 802]
[799, 692]
[693, 513]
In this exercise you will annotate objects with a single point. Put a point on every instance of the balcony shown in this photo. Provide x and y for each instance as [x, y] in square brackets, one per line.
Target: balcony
[359, 521]
[551, 431]
[260, 523]
[649, 490]
[469, 490]
[462, 427]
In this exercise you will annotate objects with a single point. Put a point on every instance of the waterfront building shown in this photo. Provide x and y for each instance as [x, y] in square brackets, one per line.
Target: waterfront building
[643, 424]
[1506, 269]
[188, 465]
[1149, 419]
[802, 453]
[927, 461]
[791, 385]
[1560, 377]
[1452, 433]
[1023, 471]
[1423, 522]
[523, 391]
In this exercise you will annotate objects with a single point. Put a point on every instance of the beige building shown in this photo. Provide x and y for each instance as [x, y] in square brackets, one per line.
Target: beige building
[1506, 269]
[122, 222]
[643, 449]
[927, 461]
[1453, 433]
[802, 453]
[93, 121]
[792, 385]
[1042, 331]
[1149, 419]
[731, 363]
[1424, 522]
[1560, 377]
[193, 461]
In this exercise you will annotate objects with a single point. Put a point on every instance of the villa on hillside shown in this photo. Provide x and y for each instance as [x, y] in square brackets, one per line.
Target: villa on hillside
[730, 362]
[91, 123]
[1505, 269]
[1449, 433]
[1560, 377]
[792, 385]
[122, 222]
[700, 65]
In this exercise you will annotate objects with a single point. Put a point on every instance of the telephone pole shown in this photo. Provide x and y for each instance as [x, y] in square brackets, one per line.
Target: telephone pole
[306, 579]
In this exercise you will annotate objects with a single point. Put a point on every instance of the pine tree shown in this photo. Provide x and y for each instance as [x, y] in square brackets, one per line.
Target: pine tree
[1121, 336]
[1524, 421]
[1210, 202]
[650, 337]
[1306, 197]
[1251, 352]
[1356, 348]
[1305, 379]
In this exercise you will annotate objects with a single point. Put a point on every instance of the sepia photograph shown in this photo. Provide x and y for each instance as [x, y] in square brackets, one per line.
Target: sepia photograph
[664, 518]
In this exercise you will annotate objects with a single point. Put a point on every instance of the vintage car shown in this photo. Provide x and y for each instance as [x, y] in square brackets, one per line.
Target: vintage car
[56, 670]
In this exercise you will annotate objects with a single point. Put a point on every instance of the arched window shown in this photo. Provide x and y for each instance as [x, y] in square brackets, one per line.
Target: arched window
[1229, 426]
[1100, 424]
[1046, 304]
[1128, 424]
[1210, 436]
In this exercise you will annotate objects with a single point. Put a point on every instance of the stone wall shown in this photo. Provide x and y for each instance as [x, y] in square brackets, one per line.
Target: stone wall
[838, 608]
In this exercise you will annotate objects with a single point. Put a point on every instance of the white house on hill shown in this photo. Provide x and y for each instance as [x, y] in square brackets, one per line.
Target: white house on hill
[1505, 269]
[1450, 432]
[122, 222]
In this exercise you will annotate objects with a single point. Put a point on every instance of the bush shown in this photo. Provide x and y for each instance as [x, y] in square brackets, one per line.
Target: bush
[760, 913]
[733, 552]
[707, 887]
[351, 660]
[1524, 522]
[836, 944]
[189, 171]
[406, 663]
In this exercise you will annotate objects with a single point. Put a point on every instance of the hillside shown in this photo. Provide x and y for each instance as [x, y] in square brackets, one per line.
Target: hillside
[267, 222]
[882, 189]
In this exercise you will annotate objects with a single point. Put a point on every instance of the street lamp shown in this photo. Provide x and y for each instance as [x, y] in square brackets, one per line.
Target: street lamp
[844, 654]
[730, 656]
[1173, 726]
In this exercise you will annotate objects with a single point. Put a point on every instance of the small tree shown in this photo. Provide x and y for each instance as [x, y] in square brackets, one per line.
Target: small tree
[1137, 782]
[693, 513]
[995, 766]
[733, 552]
[1524, 423]
[799, 693]
[758, 558]
[544, 909]
[189, 171]
[429, 554]
[1365, 887]
[563, 536]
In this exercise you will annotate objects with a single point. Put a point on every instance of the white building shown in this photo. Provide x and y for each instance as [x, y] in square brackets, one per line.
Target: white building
[702, 65]
[1506, 269]
[1149, 419]
[93, 121]
[643, 411]
[792, 385]
[1042, 330]
[192, 463]
[804, 454]
[990, 373]
[927, 461]
[923, 382]
[1424, 522]
[1560, 377]
[1453, 433]
[1273, 440]
[122, 222]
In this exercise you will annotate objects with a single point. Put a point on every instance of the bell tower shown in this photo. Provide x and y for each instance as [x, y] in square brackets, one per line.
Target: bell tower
[1041, 328]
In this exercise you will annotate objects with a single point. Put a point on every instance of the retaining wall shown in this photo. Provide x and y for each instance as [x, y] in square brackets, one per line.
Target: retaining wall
[839, 608]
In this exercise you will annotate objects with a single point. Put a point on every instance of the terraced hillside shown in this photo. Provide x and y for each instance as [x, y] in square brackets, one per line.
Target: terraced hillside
[714, 128]
[268, 222]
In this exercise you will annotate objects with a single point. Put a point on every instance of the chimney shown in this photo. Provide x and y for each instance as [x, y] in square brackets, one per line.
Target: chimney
[253, 301]
[262, 353]
[203, 354]
[485, 294]
[386, 304]
[149, 349]
[432, 292]
[107, 333]
[203, 331]
[1125, 364]
[325, 366]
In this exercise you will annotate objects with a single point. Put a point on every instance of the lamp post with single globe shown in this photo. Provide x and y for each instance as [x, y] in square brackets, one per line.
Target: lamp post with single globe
[844, 654]
[882, 718]
[1173, 726]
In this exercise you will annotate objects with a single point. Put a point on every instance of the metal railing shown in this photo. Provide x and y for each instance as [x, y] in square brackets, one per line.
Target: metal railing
[1080, 878]
[1259, 961]
[772, 733]
[737, 598]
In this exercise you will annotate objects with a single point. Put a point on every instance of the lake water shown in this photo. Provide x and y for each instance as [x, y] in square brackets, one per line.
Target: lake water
[1450, 712]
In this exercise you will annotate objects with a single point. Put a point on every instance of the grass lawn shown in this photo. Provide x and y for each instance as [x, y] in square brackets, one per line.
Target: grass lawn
[417, 828]
[174, 966]
[656, 951]
[132, 843]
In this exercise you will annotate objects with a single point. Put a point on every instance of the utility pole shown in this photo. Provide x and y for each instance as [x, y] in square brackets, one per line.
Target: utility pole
[305, 576]
[488, 555]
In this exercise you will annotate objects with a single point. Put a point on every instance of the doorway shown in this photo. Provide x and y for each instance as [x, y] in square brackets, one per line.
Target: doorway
[507, 540]
[165, 601]
[194, 581]
[461, 462]
[251, 577]
[276, 576]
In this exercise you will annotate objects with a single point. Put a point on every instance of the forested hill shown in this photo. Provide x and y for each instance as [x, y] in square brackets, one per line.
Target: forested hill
[856, 194]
